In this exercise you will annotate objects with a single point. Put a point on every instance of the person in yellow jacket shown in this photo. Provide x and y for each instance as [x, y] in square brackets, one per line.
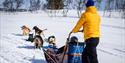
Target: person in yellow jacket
[90, 21]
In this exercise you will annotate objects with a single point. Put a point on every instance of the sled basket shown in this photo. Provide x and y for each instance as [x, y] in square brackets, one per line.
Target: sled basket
[75, 50]
[72, 55]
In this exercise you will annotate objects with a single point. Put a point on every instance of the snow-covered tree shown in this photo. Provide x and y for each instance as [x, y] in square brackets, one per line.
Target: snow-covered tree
[114, 5]
[8, 5]
[35, 5]
[18, 3]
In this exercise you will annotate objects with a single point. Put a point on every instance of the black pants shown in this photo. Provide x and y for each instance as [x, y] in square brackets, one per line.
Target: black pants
[89, 54]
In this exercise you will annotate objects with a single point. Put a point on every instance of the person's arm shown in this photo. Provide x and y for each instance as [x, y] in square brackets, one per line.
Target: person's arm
[79, 24]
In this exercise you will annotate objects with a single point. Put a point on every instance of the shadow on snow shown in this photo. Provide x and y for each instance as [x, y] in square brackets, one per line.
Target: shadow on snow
[27, 47]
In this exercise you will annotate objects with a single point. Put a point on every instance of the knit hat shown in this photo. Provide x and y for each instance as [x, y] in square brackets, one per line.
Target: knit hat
[90, 3]
[73, 39]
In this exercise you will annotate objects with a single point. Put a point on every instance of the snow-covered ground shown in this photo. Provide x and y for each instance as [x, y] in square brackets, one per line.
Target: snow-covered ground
[15, 49]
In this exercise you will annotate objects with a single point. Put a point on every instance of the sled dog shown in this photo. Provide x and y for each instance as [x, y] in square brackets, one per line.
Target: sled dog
[52, 40]
[25, 30]
[38, 41]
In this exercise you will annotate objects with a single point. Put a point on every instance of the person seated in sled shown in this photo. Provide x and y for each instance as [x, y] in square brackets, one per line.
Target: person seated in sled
[51, 45]
[73, 39]
[50, 50]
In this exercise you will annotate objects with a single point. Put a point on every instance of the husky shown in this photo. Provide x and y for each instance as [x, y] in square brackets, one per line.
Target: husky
[26, 30]
[38, 41]
[52, 40]
[38, 31]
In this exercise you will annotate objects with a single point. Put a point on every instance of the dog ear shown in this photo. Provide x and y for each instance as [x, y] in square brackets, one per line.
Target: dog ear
[34, 27]
[22, 27]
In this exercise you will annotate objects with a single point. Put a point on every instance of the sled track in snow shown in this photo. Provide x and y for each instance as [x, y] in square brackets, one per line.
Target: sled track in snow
[38, 56]
[6, 59]
[12, 54]
[11, 40]
[6, 37]
[112, 26]
[108, 52]
[119, 50]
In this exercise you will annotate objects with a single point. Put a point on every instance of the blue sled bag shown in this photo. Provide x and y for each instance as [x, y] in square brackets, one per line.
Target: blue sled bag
[75, 50]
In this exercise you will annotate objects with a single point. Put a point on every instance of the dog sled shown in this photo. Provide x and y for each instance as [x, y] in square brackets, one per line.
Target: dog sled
[69, 53]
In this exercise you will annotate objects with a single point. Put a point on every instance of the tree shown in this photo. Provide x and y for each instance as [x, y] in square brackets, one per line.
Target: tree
[98, 2]
[123, 8]
[8, 5]
[18, 3]
[108, 7]
[34, 5]
[115, 5]
[66, 7]
[38, 4]
[55, 4]
[80, 7]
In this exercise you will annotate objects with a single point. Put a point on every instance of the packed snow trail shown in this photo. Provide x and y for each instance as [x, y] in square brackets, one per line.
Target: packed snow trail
[15, 49]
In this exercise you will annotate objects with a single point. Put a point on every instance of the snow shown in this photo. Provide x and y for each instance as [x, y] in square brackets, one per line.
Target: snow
[15, 49]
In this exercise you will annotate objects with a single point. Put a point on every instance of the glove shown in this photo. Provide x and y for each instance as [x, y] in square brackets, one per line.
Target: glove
[70, 33]
[69, 36]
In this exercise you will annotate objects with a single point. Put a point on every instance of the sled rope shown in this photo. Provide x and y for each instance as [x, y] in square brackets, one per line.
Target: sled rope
[65, 48]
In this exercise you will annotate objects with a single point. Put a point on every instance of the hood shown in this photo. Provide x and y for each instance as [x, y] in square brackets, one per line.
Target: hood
[91, 9]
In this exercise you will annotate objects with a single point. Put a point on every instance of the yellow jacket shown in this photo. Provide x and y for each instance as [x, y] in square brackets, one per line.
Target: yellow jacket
[90, 21]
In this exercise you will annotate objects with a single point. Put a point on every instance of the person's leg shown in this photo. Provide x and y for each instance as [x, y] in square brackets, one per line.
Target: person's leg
[85, 58]
[93, 42]
[93, 56]
[89, 54]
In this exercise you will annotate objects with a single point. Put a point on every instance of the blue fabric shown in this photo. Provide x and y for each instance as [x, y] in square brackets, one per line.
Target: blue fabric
[75, 49]
[90, 3]
[74, 59]
[49, 46]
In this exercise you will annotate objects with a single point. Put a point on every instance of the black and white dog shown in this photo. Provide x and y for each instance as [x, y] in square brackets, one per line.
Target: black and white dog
[52, 40]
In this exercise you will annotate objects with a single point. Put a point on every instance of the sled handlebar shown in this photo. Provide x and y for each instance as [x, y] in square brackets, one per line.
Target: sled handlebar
[71, 33]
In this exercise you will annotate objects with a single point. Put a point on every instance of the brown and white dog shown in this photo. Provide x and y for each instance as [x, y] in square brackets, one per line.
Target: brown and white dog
[25, 30]
[38, 41]
[38, 31]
